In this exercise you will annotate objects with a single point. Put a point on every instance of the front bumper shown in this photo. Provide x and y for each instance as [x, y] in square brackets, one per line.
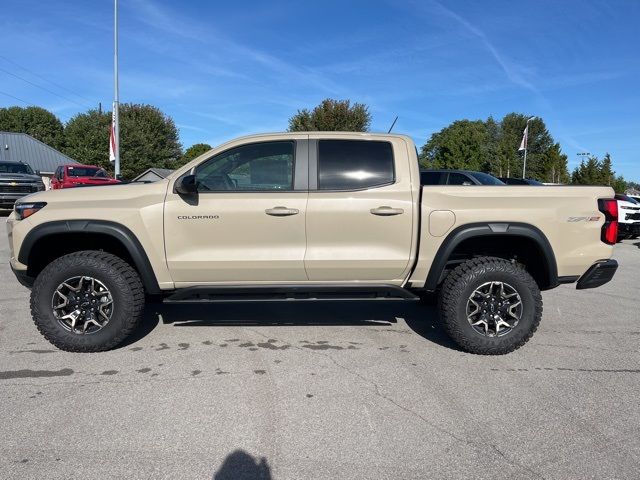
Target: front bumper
[598, 274]
[11, 198]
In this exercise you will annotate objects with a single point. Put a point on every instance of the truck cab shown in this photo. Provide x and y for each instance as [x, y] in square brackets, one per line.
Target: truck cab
[69, 176]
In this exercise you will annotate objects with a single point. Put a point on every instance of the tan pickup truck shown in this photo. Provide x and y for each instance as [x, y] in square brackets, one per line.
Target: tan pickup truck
[307, 216]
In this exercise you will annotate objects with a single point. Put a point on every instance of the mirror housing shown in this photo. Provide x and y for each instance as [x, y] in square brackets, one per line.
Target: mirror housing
[186, 185]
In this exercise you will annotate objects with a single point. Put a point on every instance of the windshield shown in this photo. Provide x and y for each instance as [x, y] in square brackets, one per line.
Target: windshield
[86, 172]
[486, 179]
[625, 198]
[15, 167]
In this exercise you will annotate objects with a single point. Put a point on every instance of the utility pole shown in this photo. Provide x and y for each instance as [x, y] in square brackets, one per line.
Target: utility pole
[526, 146]
[116, 98]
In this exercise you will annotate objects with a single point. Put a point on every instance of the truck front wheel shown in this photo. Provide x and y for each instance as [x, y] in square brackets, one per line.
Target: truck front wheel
[87, 301]
[490, 306]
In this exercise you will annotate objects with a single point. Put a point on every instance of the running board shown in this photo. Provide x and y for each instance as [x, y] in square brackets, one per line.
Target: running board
[266, 293]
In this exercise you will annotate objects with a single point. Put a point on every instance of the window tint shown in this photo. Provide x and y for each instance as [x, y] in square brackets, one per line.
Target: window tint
[83, 171]
[486, 179]
[432, 178]
[354, 164]
[15, 167]
[253, 167]
[459, 179]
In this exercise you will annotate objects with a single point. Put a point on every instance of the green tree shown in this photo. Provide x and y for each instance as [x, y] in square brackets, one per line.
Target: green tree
[460, 145]
[190, 153]
[589, 172]
[148, 138]
[87, 138]
[332, 115]
[492, 147]
[35, 121]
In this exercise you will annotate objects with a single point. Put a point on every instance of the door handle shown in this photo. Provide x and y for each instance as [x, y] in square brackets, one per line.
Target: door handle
[386, 211]
[281, 211]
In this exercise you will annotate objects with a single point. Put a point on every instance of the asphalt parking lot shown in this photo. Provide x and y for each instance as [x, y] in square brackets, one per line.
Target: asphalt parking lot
[327, 390]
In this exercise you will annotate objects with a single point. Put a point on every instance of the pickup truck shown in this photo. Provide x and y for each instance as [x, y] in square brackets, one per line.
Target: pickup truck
[308, 216]
[17, 180]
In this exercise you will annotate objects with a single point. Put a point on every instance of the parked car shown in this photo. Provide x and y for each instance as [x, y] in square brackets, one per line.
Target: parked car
[519, 181]
[457, 177]
[628, 217]
[635, 197]
[308, 216]
[68, 176]
[17, 179]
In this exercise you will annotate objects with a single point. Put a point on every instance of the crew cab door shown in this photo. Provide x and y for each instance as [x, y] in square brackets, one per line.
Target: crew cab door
[360, 214]
[247, 221]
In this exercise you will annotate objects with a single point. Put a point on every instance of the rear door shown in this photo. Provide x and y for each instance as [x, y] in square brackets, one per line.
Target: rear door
[247, 222]
[360, 210]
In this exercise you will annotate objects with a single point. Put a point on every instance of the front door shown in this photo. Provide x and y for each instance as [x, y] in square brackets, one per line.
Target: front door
[246, 224]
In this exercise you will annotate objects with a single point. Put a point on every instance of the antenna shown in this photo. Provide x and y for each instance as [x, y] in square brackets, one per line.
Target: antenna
[394, 122]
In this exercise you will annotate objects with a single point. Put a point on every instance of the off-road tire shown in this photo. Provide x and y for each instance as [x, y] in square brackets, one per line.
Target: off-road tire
[459, 285]
[118, 276]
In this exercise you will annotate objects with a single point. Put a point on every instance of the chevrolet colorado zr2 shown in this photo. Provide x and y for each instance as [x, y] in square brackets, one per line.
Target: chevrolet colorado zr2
[308, 216]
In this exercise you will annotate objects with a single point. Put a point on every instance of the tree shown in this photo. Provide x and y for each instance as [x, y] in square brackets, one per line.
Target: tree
[332, 115]
[492, 147]
[148, 138]
[87, 138]
[596, 172]
[35, 121]
[460, 145]
[192, 152]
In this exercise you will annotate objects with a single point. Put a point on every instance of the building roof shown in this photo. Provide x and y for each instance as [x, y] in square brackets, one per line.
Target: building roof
[160, 172]
[20, 147]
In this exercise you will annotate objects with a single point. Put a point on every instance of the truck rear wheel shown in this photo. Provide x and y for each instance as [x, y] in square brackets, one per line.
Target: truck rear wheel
[490, 306]
[87, 301]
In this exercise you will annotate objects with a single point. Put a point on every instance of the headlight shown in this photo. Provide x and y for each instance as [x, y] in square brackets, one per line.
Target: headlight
[25, 210]
[625, 208]
[41, 187]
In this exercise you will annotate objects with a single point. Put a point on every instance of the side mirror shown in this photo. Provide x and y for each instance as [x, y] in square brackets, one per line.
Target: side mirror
[186, 185]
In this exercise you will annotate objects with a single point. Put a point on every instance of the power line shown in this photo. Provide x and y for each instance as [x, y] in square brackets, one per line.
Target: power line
[45, 79]
[15, 98]
[41, 87]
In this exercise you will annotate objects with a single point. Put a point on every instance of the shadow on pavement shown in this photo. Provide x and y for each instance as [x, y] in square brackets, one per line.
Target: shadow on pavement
[239, 465]
[420, 318]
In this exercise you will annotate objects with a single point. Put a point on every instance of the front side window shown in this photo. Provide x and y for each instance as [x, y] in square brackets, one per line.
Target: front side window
[354, 164]
[254, 167]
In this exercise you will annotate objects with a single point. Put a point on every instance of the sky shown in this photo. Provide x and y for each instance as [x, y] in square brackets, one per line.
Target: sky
[226, 69]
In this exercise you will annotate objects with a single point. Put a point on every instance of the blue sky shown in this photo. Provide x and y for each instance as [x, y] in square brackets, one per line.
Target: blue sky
[224, 69]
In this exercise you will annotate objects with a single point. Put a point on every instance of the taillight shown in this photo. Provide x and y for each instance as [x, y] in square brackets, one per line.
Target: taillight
[609, 233]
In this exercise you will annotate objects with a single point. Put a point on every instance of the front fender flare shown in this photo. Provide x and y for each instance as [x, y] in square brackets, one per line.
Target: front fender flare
[125, 236]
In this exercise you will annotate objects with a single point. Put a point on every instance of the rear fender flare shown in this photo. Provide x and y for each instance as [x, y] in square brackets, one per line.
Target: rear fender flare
[465, 232]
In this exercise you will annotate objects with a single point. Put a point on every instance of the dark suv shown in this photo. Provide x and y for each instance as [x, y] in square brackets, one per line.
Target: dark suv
[457, 177]
[17, 179]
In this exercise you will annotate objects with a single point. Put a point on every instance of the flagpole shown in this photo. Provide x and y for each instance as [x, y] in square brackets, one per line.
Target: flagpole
[116, 98]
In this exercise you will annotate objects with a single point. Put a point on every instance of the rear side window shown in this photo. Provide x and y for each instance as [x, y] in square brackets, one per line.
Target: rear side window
[432, 178]
[459, 179]
[354, 164]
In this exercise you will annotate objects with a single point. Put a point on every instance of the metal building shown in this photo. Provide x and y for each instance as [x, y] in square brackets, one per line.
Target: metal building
[20, 147]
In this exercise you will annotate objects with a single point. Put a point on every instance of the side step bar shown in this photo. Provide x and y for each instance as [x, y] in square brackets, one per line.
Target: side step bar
[263, 293]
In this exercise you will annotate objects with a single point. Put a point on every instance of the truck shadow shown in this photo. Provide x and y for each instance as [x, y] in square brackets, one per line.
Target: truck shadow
[421, 319]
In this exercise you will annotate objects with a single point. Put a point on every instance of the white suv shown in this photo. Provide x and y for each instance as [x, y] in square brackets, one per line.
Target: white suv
[628, 217]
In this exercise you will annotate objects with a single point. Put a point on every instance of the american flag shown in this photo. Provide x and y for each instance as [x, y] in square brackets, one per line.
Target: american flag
[525, 137]
[112, 135]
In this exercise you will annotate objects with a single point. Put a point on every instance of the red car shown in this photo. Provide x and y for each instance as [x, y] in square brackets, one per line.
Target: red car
[68, 176]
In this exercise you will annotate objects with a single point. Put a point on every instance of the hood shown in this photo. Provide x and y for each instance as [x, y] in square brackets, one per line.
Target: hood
[19, 177]
[103, 193]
